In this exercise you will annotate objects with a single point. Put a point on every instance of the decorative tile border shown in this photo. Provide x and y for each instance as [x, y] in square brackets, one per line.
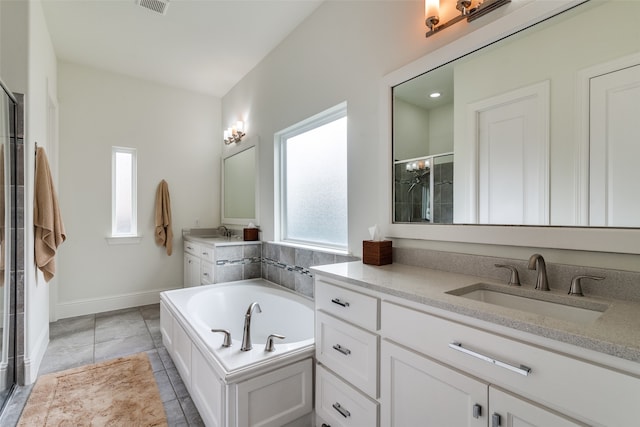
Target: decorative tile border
[295, 268]
[241, 261]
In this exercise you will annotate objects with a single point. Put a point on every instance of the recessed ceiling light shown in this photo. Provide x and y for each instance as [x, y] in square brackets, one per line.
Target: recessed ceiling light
[434, 95]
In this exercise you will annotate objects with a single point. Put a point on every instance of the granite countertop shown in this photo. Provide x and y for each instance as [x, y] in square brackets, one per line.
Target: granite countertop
[219, 241]
[616, 332]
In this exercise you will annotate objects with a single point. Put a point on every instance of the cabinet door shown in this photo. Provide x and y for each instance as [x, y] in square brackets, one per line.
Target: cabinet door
[207, 392]
[181, 353]
[206, 273]
[191, 270]
[417, 391]
[507, 410]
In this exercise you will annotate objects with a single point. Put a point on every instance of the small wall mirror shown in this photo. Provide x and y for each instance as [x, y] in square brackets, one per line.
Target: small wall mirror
[239, 183]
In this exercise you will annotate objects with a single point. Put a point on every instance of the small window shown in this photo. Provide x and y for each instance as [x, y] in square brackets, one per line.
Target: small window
[124, 221]
[313, 180]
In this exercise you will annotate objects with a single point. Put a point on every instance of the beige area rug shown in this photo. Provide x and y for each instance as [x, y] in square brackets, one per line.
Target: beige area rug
[118, 392]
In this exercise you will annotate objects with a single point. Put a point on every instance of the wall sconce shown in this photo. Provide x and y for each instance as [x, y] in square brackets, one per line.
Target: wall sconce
[234, 134]
[432, 12]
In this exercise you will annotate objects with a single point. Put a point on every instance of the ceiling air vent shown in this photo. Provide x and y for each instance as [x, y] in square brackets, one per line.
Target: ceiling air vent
[158, 6]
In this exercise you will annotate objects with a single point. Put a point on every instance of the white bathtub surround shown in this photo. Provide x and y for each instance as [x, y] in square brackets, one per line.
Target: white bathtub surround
[230, 386]
[618, 284]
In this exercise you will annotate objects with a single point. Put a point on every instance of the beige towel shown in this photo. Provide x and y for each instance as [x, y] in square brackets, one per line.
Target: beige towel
[164, 233]
[47, 222]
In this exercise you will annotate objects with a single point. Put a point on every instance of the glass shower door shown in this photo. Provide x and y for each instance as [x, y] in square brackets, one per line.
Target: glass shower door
[7, 214]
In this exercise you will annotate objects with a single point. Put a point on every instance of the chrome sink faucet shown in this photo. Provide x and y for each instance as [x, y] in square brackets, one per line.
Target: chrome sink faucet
[246, 335]
[536, 262]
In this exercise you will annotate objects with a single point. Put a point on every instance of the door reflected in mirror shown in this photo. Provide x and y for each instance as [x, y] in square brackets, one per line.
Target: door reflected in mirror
[527, 121]
[239, 187]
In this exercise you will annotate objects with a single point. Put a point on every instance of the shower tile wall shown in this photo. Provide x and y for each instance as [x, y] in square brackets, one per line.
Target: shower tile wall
[443, 193]
[408, 204]
[17, 273]
[409, 197]
[238, 262]
[289, 267]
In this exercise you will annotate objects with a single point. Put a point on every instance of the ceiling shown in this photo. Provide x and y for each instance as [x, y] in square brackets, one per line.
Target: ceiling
[205, 46]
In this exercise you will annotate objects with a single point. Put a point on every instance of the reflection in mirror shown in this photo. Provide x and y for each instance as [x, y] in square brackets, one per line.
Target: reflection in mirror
[540, 126]
[239, 187]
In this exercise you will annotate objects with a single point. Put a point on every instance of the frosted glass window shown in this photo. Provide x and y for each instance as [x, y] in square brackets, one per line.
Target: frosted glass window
[123, 170]
[314, 181]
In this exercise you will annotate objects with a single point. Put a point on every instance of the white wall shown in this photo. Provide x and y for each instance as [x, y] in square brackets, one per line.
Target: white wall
[29, 67]
[178, 138]
[342, 52]
[410, 131]
[339, 54]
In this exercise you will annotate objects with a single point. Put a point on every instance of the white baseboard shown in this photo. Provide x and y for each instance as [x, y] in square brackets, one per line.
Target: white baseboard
[33, 360]
[99, 305]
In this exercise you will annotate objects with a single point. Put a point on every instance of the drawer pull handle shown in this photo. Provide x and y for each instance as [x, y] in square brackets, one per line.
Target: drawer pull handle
[522, 370]
[340, 409]
[341, 303]
[477, 411]
[342, 349]
[495, 420]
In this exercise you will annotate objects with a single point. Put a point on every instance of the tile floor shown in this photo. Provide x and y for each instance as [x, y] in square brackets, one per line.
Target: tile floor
[93, 338]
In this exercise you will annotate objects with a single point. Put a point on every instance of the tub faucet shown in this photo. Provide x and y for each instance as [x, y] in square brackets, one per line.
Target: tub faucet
[536, 262]
[246, 335]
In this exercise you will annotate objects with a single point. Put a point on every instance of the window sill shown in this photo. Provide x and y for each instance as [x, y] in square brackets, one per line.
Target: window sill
[307, 246]
[123, 240]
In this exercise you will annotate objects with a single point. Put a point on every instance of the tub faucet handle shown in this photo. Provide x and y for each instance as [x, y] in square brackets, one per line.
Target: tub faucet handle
[227, 337]
[270, 346]
[514, 279]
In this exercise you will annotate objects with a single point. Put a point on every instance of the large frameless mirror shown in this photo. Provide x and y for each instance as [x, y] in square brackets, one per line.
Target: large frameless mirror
[535, 129]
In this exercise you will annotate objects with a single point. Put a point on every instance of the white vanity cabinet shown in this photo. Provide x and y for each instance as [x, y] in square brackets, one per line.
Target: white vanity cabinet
[198, 263]
[526, 381]
[417, 390]
[347, 353]
[437, 368]
[192, 264]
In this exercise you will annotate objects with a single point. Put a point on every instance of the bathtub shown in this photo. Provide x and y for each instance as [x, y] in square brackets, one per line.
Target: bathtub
[231, 387]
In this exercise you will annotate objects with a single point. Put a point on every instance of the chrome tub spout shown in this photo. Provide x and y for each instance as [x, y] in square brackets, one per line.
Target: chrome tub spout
[246, 335]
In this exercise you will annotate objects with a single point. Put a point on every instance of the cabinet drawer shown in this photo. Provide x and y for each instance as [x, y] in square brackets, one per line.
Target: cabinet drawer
[192, 248]
[573, 386]
[206, 253]
[206, 273]
[349, 351]
[357, 308]
[339, 404]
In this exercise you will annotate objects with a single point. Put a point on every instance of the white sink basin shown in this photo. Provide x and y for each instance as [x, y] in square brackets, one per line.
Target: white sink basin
[544, 308]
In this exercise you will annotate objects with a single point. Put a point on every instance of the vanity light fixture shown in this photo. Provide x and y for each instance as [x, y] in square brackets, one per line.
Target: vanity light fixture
[432, 12]
[234, 134]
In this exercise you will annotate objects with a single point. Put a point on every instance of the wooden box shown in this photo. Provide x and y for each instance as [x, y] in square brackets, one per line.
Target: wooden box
[250, 234]
[376, 252]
